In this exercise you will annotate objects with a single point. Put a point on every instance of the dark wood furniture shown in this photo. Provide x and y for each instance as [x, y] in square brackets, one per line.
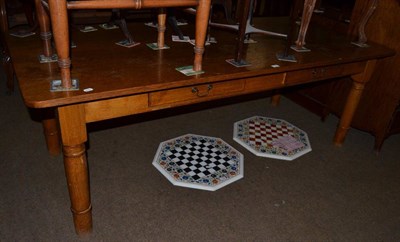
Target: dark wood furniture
[6, 59]
[378, 112]
[245, 27]
[116, 82]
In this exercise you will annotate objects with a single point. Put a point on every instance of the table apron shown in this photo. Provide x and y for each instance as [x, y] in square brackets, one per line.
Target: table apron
[145, 102]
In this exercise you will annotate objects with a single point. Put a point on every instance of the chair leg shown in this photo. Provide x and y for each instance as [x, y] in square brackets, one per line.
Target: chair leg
[45, 31]
[59, 17]
[162, 16]
[202, 16]
[308, 9]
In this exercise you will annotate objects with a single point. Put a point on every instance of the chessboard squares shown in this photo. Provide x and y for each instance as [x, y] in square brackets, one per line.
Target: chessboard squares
[274, 138]
[199, 162]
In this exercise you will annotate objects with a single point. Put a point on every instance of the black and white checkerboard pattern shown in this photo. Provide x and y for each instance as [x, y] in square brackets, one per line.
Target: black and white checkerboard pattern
[199, 162]
[199, 159]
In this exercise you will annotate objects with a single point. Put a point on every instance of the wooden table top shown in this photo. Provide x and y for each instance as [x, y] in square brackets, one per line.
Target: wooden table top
[115, 71]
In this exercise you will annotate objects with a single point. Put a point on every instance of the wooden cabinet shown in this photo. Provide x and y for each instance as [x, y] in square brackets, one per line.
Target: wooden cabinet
[378, 111]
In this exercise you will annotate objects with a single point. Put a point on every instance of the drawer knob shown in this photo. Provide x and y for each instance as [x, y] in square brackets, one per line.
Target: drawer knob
[196, 90]
[318, 72]
[314, 72]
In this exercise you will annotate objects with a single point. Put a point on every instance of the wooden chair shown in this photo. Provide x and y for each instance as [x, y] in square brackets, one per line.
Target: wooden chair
[59, 20]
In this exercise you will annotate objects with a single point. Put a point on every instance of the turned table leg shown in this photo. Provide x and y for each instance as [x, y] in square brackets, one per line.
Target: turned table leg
[74, 136]
[50, 130]
[275, 99]
[203, 12]
[353, 99]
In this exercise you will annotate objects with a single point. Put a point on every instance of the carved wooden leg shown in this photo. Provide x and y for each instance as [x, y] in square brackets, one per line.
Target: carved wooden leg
[162, 16]
[50, 130]
[202, 16]
[353, 99]
[45, 33]
[362, 38]
[308, 10]
[74, 135]
[59, 21]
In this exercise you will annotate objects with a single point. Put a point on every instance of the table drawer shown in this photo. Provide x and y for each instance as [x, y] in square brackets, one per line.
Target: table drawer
[320, 73]
[196, 93]
[116, 107]
[262, 83]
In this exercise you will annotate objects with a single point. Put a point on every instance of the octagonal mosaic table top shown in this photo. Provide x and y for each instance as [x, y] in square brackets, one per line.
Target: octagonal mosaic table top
[199, 162]
[269, 137]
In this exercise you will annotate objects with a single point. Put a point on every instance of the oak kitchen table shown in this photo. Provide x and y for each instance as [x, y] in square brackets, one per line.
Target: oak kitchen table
[115, 81]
